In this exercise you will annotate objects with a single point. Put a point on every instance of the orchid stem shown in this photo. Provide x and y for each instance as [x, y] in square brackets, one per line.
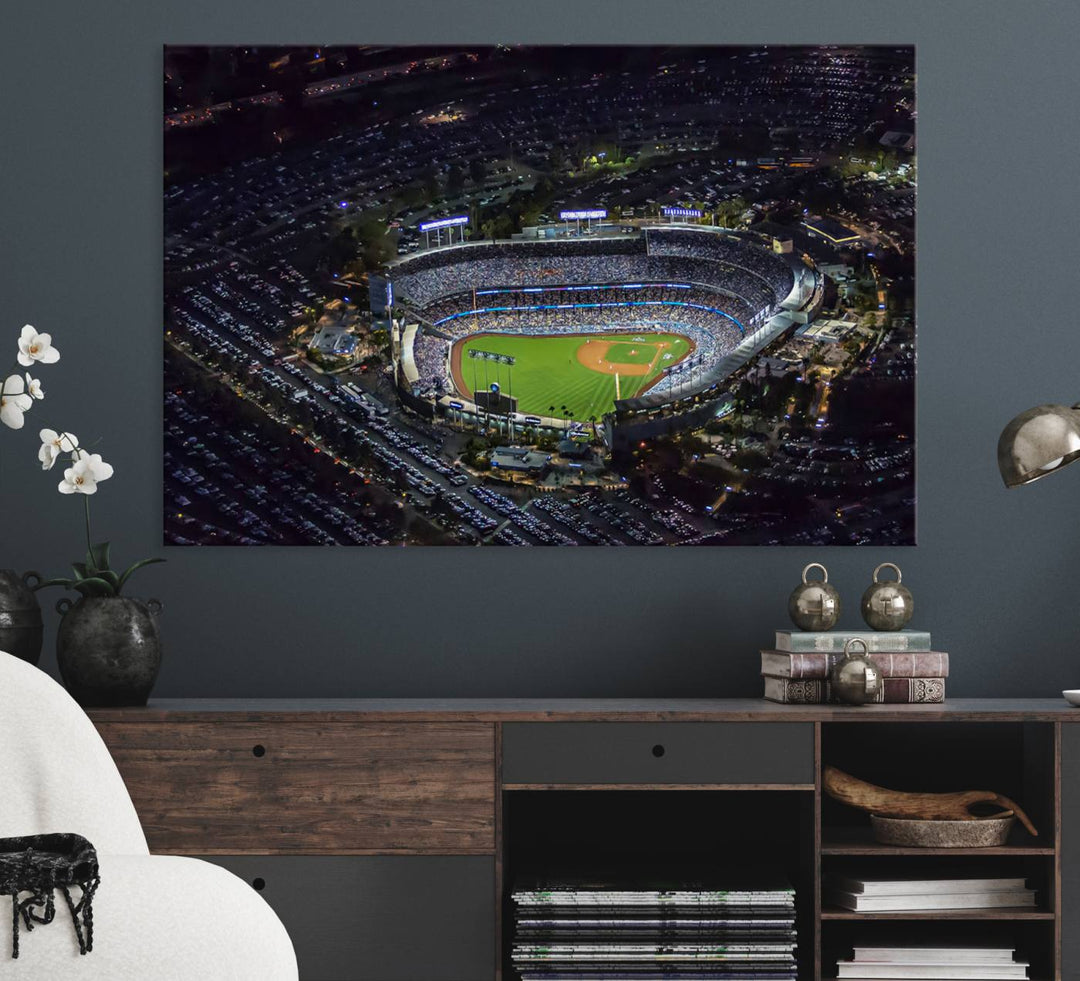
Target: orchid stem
[89, 547]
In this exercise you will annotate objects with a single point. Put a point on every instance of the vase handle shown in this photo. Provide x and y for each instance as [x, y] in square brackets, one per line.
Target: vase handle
[64, 604]
[27, 576]
[155, 607]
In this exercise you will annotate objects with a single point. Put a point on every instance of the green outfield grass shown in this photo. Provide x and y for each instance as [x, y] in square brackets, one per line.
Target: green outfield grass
[548, 371]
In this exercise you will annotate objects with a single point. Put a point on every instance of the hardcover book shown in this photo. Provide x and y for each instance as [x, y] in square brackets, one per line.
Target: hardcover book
[978, 900]
[935, 955]
[968, 971]
[833, 641]
[895, 691]
[918, 887]
[816, 664]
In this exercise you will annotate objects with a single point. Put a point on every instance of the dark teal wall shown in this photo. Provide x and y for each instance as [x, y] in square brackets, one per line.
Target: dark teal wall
[996, 575]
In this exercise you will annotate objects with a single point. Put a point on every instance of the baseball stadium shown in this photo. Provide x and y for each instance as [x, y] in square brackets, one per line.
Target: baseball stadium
[560, 333]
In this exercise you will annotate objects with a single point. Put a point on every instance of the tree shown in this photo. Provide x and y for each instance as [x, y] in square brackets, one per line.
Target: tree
[504, 226]
[374, 243]
[729, 213]
[477, 170]
[429, 181]
[342, 248]
[412, 196]
[455, 180]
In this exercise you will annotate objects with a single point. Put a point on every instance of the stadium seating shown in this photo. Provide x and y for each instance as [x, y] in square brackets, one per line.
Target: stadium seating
[711, 287]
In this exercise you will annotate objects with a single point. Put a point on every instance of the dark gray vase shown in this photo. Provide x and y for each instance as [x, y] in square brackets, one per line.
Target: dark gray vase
[108, 649]
[20, 616]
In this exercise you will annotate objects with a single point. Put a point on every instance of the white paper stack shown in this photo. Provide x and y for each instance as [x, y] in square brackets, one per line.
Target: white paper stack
[903, 894]
[933, 964]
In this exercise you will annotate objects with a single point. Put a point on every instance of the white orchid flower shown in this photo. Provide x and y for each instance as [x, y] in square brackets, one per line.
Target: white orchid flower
[36, 347]
[53, 444]
[83, 476]
[33, 387]
[14, 401]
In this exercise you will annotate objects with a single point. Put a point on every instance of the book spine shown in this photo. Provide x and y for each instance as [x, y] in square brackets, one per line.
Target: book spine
[895, 691]
[832, 642]
[907, 664]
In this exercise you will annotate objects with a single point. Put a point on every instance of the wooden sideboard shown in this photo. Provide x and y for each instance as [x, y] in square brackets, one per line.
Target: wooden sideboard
[387, 833]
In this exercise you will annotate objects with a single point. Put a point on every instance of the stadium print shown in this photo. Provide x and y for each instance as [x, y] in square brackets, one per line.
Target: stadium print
[514, 295]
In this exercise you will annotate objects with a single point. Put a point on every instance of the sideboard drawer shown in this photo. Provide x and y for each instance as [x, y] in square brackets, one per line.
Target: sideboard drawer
[381, 917]
[696, 753]
[231, 788]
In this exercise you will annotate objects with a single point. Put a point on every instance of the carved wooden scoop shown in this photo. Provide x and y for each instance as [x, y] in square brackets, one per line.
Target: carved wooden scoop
[901, 804]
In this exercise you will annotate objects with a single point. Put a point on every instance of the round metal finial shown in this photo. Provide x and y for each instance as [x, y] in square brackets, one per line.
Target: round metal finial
[855, 678]
[887, 605]
[814, 604]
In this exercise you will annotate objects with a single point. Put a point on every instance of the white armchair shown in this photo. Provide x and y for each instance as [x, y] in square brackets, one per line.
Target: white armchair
[156, 918]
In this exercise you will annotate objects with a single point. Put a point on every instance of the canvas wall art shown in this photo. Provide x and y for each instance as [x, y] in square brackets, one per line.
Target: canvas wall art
[539, 295]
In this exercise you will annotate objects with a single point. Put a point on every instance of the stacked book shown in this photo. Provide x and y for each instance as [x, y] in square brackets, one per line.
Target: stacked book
[581, 931]
[880, 895]
[797, 670]
[929, 962]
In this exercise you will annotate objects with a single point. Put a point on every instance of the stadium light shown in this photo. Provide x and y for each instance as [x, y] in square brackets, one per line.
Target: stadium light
[583, 215]
[438, 224]
[430, 226]
[682, 212]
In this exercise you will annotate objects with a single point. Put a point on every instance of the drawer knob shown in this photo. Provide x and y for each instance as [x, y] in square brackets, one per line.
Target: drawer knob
[258, 750]
[658, 751]
[258, 883]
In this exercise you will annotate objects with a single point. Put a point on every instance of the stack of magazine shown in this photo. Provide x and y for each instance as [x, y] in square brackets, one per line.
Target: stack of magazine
[902, 893]
[602, 931]
[977, 963]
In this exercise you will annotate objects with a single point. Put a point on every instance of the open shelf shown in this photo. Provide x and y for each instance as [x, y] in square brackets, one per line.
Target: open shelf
[860, 841]
[1015, 759]
[1032, 938]
[739, 835]
[807, 835]
[1002, 913]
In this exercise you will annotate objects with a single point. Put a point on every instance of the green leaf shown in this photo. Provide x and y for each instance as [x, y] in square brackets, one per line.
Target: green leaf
[94, 587]
[110, 577]
[97, 559]
[79, 568]
[132, 569]
[66, 583]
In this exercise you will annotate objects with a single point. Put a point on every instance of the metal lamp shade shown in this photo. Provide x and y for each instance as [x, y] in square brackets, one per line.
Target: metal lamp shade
[1037, 442]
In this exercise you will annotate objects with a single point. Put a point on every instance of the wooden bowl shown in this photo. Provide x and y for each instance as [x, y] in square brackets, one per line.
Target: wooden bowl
[912, 832]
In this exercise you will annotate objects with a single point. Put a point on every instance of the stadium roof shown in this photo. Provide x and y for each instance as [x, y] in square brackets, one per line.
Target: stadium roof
[334, 339]
[898, 141]
[831, 229]
[518, 458]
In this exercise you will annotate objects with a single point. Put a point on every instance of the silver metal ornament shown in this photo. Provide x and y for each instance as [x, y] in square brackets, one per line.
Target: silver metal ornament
[856, 680]
[887, 605]
[814, 605]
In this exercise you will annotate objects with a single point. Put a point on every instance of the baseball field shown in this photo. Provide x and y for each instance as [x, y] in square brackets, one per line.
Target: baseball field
[567, 375]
